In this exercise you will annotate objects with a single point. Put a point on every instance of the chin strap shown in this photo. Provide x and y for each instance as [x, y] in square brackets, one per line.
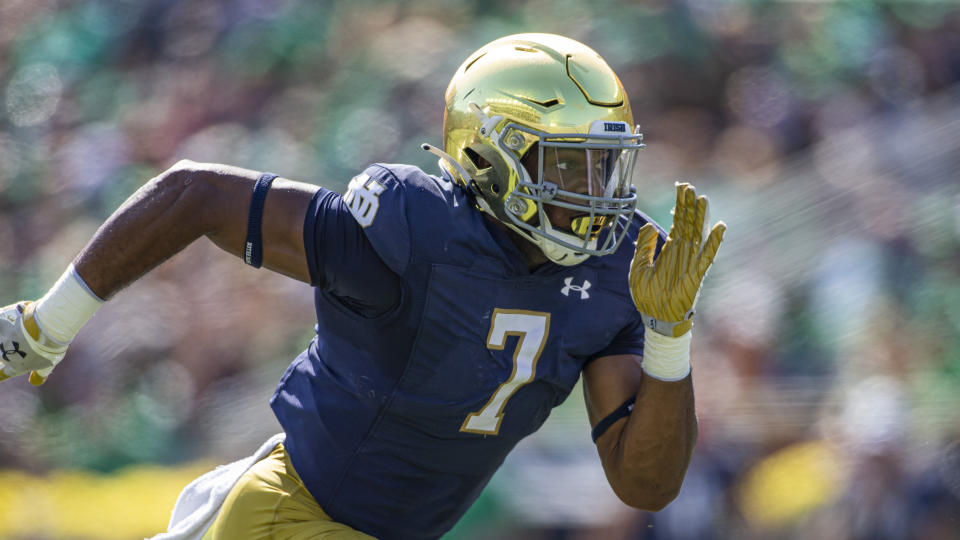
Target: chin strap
[559, 254]
[553, 251]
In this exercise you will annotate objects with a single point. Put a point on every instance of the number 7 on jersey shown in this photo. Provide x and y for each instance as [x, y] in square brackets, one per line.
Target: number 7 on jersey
[532, 328]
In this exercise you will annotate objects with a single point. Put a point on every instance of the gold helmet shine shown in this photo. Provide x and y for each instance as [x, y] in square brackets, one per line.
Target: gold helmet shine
[534, 120]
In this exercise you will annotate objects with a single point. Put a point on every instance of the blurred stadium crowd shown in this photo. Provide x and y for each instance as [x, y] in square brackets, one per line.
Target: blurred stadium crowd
[827, 350]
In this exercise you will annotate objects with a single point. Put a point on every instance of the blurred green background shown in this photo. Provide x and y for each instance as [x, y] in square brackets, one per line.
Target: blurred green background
[827, 348]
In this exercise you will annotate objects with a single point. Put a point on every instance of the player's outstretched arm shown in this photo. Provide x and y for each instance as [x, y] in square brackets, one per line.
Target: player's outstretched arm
[164, 216]
[188, 201]
[642, 409]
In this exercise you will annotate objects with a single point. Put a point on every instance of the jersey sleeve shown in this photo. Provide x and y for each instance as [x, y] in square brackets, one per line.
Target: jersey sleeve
[342, 260]
[377, 199]
[628, 341]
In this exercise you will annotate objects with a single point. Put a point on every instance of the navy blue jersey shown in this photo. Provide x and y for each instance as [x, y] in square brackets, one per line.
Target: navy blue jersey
[436, 358]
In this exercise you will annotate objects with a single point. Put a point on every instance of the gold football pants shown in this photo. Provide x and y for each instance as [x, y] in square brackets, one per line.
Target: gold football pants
[270, 502]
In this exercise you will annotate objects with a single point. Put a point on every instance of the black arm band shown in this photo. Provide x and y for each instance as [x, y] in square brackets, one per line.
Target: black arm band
[622, 412]
[253, 248]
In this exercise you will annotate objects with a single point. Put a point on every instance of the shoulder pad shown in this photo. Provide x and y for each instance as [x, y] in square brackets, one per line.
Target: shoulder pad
[396, 205]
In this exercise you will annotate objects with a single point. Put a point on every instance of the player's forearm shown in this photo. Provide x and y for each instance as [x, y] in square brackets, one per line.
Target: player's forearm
[649, 458]
[160, 219]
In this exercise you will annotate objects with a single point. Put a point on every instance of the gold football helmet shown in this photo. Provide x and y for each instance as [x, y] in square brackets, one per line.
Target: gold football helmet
[534, 120]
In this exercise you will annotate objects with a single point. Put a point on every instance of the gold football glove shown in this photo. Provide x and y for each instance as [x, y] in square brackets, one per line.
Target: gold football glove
[665, 290]
[24, 347]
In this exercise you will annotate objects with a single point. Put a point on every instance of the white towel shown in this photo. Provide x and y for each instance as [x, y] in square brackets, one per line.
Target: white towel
[200, 501]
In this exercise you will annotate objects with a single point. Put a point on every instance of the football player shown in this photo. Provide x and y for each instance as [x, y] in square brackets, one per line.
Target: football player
[453, 311]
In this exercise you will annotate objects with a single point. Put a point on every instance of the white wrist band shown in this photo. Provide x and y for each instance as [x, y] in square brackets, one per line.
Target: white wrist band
[666, 358]
[66, 307]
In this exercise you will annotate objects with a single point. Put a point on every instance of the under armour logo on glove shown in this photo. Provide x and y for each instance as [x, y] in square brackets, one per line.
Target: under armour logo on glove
[16, 349]
[569, 286]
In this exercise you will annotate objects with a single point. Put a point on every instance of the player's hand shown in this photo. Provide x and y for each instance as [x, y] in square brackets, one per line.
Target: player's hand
[23, 347]
[665, 290]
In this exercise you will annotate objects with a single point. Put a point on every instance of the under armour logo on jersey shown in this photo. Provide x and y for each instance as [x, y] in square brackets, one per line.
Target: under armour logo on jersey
[16, 349]
[569, 286]
[363, 198]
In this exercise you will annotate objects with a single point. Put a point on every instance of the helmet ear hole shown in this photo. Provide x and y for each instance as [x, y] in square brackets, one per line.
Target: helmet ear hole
[476, 159]
[493, 174]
